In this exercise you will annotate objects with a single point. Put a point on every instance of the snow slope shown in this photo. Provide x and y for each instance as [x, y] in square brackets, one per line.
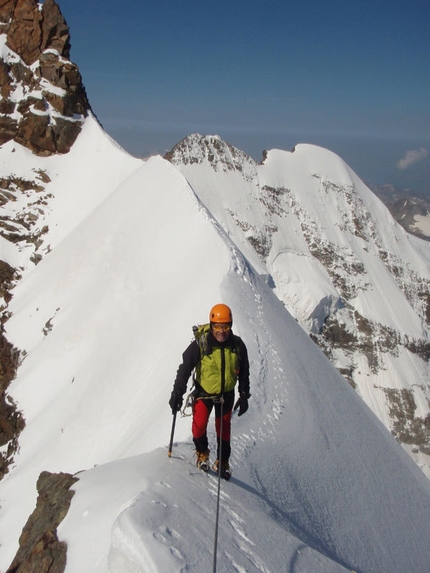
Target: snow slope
[318, 485]
[78, 182]
[351, 276]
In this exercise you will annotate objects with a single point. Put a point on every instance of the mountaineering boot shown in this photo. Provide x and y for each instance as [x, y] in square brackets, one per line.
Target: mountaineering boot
[203, 460]
[225, 469]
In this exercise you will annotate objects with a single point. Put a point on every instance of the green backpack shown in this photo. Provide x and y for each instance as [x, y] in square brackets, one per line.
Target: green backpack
[201, 335]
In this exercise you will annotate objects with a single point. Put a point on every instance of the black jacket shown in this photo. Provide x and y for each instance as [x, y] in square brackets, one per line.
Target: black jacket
[191, 357]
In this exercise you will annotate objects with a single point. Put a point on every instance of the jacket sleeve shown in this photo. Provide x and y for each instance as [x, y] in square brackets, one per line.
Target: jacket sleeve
[190, 359]
[243, 370]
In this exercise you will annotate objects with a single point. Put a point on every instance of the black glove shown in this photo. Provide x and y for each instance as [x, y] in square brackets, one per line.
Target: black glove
[175, 402]
[242, 403]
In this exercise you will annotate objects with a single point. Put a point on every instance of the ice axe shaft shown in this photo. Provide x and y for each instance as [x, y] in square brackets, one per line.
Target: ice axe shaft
[169, 453]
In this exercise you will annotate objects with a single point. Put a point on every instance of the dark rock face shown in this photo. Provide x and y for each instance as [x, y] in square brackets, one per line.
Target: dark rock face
[40, 551]
[43, 100]
[11, 420]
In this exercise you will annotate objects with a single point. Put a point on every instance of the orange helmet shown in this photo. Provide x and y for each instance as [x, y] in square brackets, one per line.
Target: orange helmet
[221, 313]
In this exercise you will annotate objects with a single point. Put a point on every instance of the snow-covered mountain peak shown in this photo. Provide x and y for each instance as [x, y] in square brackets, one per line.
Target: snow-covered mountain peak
[212, 150]
[319, 158]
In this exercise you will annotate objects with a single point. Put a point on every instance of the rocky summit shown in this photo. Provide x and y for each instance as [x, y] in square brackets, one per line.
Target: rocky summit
[42, 99]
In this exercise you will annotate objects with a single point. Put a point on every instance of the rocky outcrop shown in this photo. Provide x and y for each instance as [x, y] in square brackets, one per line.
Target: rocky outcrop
[11, 420]
[25, 203]
[40, 550]
[42, 99]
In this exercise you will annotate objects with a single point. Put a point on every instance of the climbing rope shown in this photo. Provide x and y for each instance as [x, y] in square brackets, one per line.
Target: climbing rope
[219, 488]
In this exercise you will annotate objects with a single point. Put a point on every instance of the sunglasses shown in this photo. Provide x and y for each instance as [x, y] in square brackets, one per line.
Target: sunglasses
[221, 327]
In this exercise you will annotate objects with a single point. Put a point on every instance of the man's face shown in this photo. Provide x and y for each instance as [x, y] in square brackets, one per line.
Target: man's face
[221, 331]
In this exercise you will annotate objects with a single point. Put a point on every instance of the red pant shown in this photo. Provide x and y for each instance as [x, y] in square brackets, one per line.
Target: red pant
[201, 411]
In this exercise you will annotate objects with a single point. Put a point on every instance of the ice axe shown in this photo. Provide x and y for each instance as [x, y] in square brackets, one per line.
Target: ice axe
[169, 453]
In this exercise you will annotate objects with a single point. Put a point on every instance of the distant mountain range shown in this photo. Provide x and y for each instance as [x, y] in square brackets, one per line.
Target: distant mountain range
[410, 211]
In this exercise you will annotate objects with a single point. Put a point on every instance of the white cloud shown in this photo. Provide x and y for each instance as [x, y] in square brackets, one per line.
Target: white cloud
[411, 157]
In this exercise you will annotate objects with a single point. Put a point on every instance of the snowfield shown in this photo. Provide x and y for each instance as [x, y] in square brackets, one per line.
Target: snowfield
[136, 258]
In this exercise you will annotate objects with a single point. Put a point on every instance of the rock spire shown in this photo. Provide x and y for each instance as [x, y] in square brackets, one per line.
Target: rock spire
[42, 99]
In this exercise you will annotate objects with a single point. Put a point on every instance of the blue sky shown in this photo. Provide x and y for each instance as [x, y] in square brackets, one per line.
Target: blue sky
[352, 76]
